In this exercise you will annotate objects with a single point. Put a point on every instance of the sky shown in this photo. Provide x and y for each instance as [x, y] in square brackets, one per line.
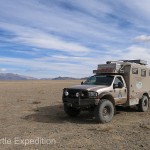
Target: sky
[50, 38]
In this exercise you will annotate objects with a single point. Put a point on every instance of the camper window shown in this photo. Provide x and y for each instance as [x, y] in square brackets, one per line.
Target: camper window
[134, 70]
[143, 72]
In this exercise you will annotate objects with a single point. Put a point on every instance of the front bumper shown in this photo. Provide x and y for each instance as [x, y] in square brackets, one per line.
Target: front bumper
[80, 103]
[78, 98]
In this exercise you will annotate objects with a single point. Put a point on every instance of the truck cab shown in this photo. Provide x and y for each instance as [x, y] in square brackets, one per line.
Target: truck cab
[114, 83]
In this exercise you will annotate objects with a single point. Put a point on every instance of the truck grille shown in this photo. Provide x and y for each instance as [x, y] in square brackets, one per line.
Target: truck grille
[72, 93]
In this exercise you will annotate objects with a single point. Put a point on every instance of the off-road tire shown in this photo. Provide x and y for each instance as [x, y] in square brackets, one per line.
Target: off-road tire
[143, 104]
[70, 111]
[104, 111]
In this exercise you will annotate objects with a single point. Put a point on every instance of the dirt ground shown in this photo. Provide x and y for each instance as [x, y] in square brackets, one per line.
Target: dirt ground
[32, 118]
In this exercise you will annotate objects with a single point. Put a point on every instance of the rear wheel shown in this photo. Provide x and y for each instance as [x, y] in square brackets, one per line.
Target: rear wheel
[143, 104]
[70, 111]
[104, 112]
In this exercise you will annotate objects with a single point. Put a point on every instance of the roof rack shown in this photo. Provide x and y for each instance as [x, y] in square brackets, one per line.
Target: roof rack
[138, 61]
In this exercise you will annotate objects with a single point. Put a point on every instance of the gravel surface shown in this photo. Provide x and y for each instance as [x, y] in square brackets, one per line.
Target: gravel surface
[32, 112]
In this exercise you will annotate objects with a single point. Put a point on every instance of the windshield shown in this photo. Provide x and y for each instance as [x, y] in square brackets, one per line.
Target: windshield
[99, 80]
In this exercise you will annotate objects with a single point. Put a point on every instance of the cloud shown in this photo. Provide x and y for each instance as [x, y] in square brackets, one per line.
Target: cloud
[3, 69]
[135, 52]
[89, 24]
[55, 65]
[51, 42]
[37, 67]
[75, 66]
[46, 38]
[39, 39]
[138, 52]
[142, 38]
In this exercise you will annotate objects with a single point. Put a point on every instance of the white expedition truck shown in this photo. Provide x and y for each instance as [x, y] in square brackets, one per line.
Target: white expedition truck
[125, 83]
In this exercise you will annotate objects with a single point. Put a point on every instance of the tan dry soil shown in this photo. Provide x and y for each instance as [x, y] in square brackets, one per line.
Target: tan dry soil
[33, 109]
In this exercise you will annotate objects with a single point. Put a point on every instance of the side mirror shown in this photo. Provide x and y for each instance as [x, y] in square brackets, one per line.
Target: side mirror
[81, 82]
[115, 86]
[120, 85]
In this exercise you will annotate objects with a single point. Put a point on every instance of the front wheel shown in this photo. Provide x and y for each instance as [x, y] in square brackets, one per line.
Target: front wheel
[70, 111]
[143, 104]
[104, 112]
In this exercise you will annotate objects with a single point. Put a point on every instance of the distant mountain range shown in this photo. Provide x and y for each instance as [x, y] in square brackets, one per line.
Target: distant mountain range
[65, 78]
[12, 76]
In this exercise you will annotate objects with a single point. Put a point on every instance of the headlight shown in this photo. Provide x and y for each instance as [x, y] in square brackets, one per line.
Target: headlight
[93, 94]
[77, 94]
[66, 93]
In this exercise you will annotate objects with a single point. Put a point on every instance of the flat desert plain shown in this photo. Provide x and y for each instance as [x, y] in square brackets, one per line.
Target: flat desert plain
[32, 118]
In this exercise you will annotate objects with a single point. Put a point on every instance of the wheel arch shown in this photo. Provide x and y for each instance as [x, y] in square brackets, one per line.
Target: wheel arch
[107, 96]
[146, 94]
